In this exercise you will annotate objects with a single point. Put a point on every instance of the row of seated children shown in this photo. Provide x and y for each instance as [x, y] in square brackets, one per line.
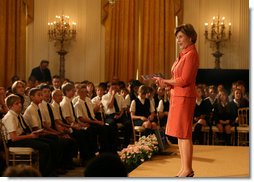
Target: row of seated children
[110, 116]
[66, 129]
[217, 110]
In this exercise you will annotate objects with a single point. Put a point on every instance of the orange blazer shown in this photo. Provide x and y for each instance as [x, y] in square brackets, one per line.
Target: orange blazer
[184, 71]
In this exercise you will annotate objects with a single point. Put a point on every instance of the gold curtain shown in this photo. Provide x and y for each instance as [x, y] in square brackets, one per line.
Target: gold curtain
[30, 10]
[157, 44]
[13, 39]
[140, 35]
[121, 39]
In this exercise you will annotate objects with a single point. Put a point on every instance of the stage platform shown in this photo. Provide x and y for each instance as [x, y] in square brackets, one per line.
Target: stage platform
[208, 162]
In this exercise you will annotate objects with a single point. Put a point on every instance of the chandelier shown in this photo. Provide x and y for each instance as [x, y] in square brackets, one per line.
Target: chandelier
[217, 36]
[62, 31]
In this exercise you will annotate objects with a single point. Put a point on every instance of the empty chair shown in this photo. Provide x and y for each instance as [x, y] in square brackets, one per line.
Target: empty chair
[242, 128]
[137, 131]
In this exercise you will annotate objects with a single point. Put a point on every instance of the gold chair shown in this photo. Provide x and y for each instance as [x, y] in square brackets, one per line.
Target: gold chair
[242, 128]
[137, 131]
[120, 127]
[210, 135]
[16, 155]
[207, 132]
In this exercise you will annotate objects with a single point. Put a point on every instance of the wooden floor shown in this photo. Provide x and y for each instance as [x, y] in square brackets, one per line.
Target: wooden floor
[208, 162]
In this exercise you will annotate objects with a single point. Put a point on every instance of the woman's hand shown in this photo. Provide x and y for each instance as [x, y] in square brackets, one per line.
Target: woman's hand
[160, 82]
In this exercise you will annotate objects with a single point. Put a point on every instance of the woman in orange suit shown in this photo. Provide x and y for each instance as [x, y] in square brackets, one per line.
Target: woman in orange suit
[183, 95]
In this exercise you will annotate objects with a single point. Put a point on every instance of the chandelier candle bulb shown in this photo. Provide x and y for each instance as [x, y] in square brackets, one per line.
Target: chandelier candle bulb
[206, 26]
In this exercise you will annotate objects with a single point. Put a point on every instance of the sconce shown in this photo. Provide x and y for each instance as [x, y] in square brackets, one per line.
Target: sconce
[217, 36]
[62, 31]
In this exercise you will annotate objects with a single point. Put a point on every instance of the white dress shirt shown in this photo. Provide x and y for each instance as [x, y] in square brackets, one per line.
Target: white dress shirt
[81, 110]
[56, 110]
[160, 107]
[67, 108]
[44, 111]
[11, 123]
[106, 100]
[127, 100]
[96, 101]
[31, 116]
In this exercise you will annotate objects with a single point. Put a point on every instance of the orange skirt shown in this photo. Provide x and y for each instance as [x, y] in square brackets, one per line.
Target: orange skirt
[180, 117]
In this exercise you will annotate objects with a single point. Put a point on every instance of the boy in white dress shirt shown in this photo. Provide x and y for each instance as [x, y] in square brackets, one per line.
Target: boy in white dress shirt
[114, 108]
[84, 109]
[66, 143]
[36, 121]
[61, 125]
[80, 132]
[19, 134]
[97, 105]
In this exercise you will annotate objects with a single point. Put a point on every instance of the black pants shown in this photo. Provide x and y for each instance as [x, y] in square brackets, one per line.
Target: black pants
[70, 150]
[86, 141]
[105, 138]
[45, 157]
[56, 149]
[127, 127]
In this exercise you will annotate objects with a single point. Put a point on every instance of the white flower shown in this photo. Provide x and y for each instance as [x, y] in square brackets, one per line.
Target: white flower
[141, 151]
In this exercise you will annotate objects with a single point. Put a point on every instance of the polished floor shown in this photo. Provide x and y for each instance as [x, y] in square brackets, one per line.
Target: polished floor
[208, 162]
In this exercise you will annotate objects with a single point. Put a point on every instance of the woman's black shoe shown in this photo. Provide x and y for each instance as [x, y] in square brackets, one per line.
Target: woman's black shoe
[191, 174]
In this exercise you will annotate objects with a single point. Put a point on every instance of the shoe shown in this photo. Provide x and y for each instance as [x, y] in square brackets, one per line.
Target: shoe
[191, 174]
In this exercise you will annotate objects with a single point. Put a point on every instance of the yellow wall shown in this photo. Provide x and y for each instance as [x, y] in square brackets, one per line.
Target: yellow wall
[236, 51]
[85, 55]
[85, 59]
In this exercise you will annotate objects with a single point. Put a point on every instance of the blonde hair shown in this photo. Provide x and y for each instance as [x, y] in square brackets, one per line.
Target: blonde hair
[15, 84]
[11, 99]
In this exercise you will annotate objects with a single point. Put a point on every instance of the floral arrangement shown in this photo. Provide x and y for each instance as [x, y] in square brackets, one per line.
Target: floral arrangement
[137, 153]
